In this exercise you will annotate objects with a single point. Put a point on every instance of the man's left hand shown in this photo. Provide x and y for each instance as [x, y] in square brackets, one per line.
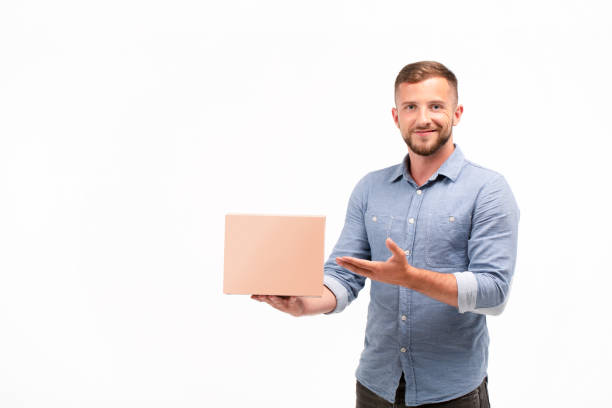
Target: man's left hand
[396, 270]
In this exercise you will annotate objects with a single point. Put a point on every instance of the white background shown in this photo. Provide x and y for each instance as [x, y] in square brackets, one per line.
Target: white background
[129, 128]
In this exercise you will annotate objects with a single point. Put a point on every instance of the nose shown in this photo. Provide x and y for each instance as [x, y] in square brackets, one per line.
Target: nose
[423, 119]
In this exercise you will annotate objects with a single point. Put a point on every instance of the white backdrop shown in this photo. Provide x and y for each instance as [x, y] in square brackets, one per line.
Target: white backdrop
[129, 128]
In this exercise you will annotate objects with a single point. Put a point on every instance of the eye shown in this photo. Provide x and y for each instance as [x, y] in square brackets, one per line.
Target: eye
[410, 107]
[436, 107]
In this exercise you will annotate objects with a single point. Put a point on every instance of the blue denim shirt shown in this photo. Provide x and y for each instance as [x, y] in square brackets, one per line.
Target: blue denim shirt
[464, 221]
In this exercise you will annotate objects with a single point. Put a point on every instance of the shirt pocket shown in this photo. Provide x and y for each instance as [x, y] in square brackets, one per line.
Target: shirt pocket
[447, 240]
[378, 227]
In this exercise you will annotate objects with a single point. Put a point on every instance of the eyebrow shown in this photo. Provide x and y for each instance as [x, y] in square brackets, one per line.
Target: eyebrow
[436, 101]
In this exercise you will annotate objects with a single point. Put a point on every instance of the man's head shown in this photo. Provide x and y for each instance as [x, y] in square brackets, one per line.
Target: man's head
[426, 106]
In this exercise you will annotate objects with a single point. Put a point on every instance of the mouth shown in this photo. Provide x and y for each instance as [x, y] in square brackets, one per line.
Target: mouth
[424, 132]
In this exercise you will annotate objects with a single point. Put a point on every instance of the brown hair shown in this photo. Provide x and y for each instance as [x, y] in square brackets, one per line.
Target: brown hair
[422, 70]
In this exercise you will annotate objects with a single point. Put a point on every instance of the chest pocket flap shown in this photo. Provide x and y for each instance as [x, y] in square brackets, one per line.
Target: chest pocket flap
[447, 239]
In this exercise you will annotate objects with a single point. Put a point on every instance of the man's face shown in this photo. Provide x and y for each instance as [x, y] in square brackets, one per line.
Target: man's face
[425, 114]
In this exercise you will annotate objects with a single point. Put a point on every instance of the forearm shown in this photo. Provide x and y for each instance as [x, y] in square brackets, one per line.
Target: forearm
[318, 305]
[436, 285]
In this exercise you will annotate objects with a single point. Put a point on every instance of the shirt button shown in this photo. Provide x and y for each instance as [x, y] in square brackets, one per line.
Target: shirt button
[451, 218]
[407, 252]
[404, 318]
[419, 192]
[403, 349]
[374, 218]
[411, 220]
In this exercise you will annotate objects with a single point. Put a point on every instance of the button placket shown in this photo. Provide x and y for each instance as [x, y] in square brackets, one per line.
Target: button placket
[406, 295]
[416, 205]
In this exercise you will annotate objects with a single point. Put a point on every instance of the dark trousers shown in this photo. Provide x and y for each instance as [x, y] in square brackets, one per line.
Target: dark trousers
[479, 398]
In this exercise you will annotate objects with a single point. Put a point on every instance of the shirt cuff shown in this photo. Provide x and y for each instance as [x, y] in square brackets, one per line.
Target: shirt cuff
[467, 290]
[339, 291]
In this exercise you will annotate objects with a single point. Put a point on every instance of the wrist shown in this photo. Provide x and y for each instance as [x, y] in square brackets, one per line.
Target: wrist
[326, 303]
[414, 277]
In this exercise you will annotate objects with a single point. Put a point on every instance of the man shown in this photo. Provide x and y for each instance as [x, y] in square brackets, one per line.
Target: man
[437, 235]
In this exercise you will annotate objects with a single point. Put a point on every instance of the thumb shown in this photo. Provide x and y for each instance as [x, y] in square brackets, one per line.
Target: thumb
[395, 250]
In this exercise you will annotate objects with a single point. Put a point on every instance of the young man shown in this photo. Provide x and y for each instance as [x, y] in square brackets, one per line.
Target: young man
[437, 235]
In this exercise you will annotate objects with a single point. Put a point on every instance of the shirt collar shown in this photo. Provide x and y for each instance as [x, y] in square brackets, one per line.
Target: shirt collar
[450, 168]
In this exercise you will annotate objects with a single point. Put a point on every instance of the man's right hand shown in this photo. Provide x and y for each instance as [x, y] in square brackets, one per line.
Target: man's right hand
[294, 305]
[301, 306]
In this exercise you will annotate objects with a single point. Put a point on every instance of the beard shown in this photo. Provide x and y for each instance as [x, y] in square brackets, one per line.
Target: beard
[423, 149]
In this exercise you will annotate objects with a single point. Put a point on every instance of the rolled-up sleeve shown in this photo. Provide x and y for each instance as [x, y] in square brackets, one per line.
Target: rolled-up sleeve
[492, 247]
[353, 241]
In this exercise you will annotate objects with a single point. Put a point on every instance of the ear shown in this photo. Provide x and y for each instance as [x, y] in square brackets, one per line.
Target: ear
[395, 116]
[457, 114]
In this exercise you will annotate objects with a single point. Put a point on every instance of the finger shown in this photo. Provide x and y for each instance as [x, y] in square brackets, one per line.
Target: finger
[276, 299]
[356, 269]
[274, 302]
[283, 302]
[394, 248]
[361, 263]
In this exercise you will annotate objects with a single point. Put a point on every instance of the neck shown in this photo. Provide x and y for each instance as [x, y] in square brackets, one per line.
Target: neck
[422, 167]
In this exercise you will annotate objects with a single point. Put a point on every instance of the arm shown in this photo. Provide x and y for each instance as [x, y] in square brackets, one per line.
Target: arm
[492, 247]
[397, 271]
[484, 287]
[340, 286]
